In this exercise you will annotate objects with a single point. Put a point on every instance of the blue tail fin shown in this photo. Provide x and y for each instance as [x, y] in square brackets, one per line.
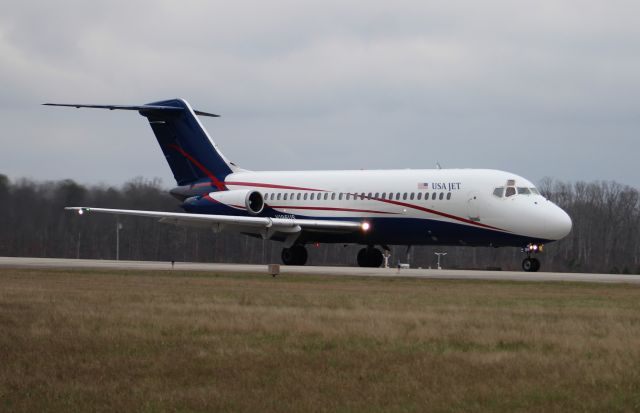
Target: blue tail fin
[190, 152]
[192, 155]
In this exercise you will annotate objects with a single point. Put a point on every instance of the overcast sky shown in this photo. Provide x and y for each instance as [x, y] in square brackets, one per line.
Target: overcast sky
[545, 88]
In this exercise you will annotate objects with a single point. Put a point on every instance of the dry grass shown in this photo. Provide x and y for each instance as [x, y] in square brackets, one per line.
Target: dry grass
[136, 341]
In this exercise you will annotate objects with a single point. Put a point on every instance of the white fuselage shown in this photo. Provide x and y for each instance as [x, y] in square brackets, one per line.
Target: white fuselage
[463, 198]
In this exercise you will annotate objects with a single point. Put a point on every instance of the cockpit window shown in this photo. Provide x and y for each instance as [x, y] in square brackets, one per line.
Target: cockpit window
[510, 189]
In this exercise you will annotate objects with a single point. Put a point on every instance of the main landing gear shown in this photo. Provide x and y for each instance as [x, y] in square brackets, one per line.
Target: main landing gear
[296, 255]
[370, 257]
[530, 264]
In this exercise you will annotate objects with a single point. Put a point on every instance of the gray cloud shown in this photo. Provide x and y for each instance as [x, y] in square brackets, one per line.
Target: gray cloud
[542, 89]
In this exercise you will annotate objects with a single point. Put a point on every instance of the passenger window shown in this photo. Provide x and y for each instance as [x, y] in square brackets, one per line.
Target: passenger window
[362, 196]
[312, 196]
[333, 196]
[305, 196]
[398, 196]
[498, 192]
[326, 196]
[284, 197]
[348, 196]
[441, 196]
[383, 196]
[419, 196]
[298, 196]
[404, 196]
[448, 196]
[340, 197]
[433, 196]
[370, 195]
[376, 195]
[279, 195]
[523, 191]
[510, 191]
[411, 196]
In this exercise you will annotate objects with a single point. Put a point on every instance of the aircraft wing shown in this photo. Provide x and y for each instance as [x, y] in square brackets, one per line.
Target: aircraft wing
[286, 228]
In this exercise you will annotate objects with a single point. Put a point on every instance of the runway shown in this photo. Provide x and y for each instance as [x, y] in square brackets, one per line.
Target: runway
[25, 262]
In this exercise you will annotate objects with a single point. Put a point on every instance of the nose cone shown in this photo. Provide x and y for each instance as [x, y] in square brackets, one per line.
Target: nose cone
[558, 223]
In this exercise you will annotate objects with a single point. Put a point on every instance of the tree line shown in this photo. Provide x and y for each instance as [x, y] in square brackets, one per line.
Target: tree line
[33, 222]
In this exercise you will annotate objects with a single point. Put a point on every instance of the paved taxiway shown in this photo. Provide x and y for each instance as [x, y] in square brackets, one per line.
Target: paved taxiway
[20, 262]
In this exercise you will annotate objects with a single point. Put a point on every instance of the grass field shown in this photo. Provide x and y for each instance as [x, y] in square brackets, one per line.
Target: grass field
[172, 341]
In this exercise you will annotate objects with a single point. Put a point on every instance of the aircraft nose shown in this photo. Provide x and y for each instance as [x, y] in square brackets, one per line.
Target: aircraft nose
[558, 223]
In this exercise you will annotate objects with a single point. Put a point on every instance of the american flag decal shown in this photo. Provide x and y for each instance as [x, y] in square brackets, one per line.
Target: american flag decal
[423, 185]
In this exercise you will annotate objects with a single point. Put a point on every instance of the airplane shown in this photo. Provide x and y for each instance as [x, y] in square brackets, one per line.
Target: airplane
[372, 208]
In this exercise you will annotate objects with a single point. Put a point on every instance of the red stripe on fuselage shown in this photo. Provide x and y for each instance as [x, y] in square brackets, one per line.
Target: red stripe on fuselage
[443, 214]
[331, 209]
[388, 201]
[261, 185]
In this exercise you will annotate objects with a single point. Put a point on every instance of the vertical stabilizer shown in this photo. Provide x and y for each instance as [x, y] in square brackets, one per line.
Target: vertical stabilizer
[192, 156]
[191, 153]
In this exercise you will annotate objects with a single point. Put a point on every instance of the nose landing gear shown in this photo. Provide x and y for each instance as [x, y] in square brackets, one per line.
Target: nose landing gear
[530, 264]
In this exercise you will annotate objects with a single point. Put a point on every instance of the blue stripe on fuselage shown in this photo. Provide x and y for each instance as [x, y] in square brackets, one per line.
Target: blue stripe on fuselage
[385, 230]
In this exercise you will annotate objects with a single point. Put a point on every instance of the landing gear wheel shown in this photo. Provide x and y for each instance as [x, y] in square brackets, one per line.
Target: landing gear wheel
[376, 258]
[370, 257]
[296, 255]
[535, 264]
[362, 258]
[530, 264]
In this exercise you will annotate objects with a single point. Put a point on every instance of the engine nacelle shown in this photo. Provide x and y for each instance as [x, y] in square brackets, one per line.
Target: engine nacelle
[248, 199]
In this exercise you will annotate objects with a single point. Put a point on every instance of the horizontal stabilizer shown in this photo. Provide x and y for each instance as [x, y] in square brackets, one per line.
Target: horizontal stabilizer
[140, 108]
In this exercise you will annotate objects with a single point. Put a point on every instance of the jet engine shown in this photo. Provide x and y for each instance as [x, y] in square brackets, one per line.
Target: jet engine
[248, 199]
